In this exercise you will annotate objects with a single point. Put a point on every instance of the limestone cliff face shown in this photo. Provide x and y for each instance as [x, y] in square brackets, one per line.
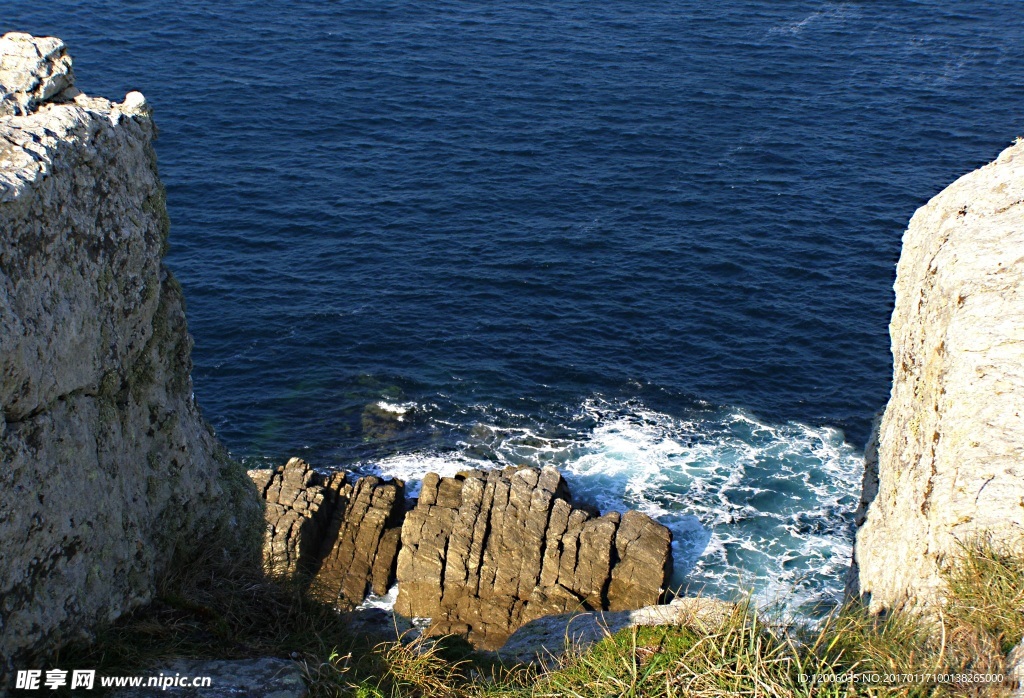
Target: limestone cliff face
[106, 464]
[951, 441]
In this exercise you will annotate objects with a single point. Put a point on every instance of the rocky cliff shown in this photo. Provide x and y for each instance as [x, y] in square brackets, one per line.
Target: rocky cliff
[106, 465]
[950, 446]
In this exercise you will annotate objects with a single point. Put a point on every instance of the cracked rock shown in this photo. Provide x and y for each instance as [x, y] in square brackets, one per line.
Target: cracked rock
[488, 551]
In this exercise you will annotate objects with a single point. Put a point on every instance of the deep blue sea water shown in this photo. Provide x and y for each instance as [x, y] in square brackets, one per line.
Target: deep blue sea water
[652, 243]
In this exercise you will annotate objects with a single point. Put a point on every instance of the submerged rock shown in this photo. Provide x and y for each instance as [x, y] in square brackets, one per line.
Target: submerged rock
[383, 421]
[486, 552]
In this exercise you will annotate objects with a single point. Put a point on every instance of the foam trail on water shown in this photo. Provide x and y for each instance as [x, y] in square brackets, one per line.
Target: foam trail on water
[752, 505]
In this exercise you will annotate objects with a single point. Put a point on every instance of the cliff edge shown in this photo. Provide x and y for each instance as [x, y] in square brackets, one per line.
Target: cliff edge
[106, 466]
[950, 446]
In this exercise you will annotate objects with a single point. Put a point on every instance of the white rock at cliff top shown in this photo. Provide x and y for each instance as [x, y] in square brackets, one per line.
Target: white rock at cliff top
[32, 71]
[951, 442]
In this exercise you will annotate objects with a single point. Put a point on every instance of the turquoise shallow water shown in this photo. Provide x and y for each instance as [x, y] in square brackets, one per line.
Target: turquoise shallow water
[651, 242]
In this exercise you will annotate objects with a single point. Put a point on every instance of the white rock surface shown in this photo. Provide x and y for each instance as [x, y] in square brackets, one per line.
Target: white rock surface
[951, 442]
[551, 636]
[1015, 671]
[106, 464]
[32, 71]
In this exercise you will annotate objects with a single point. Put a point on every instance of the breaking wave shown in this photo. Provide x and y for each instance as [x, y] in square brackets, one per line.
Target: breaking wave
[753, 506]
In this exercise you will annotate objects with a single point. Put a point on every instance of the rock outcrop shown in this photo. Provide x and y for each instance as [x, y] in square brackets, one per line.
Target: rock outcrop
[107, 469]
[33, 70]
[343, 535]
[299, 505]
[480, 554]
[361, 547]
[951, 443]
[486, 552]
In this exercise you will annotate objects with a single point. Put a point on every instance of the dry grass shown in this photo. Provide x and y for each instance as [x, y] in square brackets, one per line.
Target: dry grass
[212, 609]
[983, 619]
[986, 592]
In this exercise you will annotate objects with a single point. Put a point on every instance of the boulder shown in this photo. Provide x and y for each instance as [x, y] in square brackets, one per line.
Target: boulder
[550, 637]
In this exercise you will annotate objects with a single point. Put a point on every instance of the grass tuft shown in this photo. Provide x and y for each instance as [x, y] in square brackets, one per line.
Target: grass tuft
[211, 608]
[986, 593]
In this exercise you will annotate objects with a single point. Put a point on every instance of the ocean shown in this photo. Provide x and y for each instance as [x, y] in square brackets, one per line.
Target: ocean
[651, 243]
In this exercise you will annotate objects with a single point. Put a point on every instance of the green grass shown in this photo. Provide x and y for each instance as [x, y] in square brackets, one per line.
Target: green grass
[208, 609]
[986, 585]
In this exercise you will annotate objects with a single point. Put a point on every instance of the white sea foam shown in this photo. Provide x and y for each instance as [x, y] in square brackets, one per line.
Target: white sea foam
[412, 467]
[752, 505]
[385, 602]
[401, 409]
[831, 15]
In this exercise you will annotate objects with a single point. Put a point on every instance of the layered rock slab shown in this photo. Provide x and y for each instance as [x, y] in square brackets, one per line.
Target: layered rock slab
[488, 551]
[344, 535]
[299, 506]
[107, 469]
[361, 546]
[950, 463]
